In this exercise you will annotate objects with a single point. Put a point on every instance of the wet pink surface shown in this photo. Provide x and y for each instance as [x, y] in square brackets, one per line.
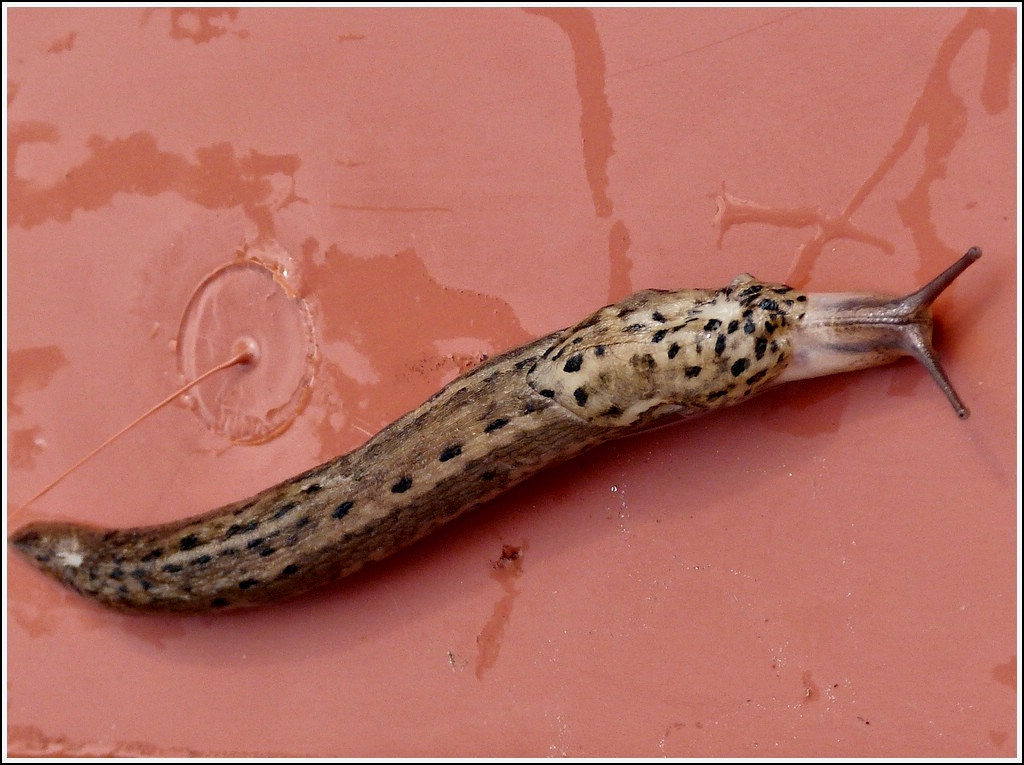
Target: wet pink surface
[828, 570]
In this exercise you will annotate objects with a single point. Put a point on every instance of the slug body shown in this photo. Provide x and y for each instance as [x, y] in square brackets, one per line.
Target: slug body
[655, 356]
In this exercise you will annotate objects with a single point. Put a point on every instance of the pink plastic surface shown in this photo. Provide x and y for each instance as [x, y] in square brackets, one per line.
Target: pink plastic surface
[829, 570]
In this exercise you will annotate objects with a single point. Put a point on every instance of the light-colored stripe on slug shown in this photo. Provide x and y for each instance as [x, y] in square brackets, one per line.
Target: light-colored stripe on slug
[655, 356]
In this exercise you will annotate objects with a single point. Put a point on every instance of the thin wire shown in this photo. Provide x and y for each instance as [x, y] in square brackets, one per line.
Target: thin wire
[243, 356]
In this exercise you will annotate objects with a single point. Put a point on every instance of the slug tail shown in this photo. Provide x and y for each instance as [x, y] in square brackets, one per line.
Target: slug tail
[61, 550]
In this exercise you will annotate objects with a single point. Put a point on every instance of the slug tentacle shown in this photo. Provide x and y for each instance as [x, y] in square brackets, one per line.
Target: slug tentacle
[654, 356]
[842, 332]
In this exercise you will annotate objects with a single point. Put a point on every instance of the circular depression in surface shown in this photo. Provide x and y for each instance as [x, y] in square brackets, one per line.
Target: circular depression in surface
[247, 305]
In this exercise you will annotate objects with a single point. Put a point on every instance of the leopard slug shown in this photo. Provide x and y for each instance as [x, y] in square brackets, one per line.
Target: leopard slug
[657, 355]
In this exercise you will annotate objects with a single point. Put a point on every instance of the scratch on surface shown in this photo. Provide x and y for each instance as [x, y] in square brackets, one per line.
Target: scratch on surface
[705, 46]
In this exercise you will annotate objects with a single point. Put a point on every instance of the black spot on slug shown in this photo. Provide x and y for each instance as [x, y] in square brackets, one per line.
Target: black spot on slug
[749, 326]
[117, 574]
[497, 424]
[716, 394]
[581, 396]
[599, 350]
[288, 570]
[266, 551]
[340, 511]
[547, 393]
[739, 366]
[488, 475]
[673, 350]
[200, 561]
[313, 488]
[188, 542]
[733, 325]
[712, 325]
[769, 305]
[240, 528]
[659, 317]
[573, 363]
[403, 485]
[760, 345]
[692, 371]
[285, 509]
[612, 411]
[449, 452]
[152, 555]
[659, 336]
[634, 328]
[245, 584]
[769, 327]
[756, 377]
[219, 602]
[254, 543]
[171, 568]
[720, 345]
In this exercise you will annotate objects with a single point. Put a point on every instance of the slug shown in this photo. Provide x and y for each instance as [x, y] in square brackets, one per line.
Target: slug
[656, 356]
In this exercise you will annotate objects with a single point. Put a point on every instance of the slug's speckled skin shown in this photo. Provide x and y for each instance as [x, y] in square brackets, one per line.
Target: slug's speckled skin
[654, 356]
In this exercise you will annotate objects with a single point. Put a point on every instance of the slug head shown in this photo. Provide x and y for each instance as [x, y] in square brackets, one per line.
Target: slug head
[841, 332]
